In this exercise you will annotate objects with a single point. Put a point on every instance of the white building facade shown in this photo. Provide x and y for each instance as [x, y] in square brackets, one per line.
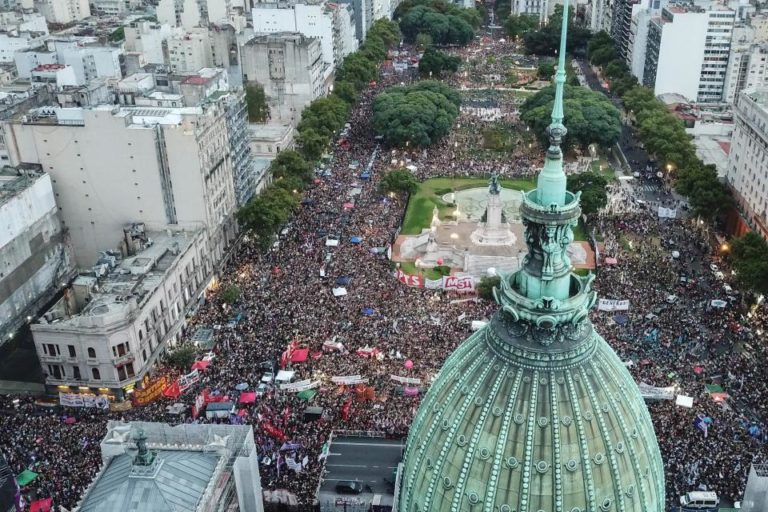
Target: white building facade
[167, 166]
[687, 52]
[290, 68]
[746, 64]
[35, 254]
[63, 12]
[109, 328]
[747, 171]
[324, 22]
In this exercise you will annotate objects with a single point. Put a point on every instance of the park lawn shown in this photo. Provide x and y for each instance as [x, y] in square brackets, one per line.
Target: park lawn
[607, 172]
[410, 267]
[418, 215]
[579, 233]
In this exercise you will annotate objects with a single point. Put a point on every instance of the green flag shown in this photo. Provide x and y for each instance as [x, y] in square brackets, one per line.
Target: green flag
[307, 394]
[25, 477]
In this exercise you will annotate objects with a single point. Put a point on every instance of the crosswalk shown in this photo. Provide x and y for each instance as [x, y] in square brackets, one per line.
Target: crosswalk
[648, 188]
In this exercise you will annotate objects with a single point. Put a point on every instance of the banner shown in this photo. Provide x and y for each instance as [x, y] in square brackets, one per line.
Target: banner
[459, 283]
[348, 380]
[433, 284]
[405, 380]
[302, 385]
[612, 305]
[655, 393]
[409, 280]
[120, 406]
[668, 213]
[77, 400]
[150, 393]
[185, 381]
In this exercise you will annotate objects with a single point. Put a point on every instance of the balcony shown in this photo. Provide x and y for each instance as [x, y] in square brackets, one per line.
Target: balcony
[51, 359]
[121, 360]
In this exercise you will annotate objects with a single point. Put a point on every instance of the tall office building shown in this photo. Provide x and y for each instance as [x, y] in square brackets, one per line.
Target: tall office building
[688, 50]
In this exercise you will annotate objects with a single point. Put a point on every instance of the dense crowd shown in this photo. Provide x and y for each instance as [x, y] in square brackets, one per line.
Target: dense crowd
[286, 295]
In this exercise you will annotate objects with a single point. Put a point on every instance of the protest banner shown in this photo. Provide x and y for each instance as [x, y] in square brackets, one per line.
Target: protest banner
[185, 381]
[348, 380]
[459, 283]
[409, 280]
[78, 400]
[302, 385]
[612, 305]
[405, 380]
[151, 392]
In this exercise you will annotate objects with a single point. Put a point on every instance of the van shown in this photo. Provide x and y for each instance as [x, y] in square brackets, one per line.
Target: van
[699, 500]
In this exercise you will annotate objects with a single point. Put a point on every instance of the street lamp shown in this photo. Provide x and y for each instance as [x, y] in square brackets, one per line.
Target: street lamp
[724, 247]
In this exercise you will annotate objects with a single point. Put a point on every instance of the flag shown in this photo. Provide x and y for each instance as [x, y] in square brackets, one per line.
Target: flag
[325, 451]
[700, 424]
[292, 464]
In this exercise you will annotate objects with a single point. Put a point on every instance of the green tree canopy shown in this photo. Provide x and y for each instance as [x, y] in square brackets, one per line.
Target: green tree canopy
[345, 91]
[435, 62]
[593, 188]
[749, 254]
[230, 294]
[386, 30]
[291, 163]
[311, 144]
[486, 285]
[357, 70]
[325, 116]
[265, 213]
[519, 25]
[442, 28]
[258, 110]
[707, 196]
[546, 70]
[589, 116]
[418, 115]
[399, 181]
[546, 40]
[182, 357]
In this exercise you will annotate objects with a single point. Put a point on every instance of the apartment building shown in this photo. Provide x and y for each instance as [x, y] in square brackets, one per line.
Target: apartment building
[123, 312]
[747, 171]
[688, 50]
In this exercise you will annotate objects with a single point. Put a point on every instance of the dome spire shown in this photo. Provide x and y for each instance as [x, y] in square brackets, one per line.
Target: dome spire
[551, 182]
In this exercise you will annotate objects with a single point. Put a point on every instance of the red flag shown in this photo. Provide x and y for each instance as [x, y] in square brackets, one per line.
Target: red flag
[43, 505]
[172, 391]
[345, 409]
[273, 431]
[286, 414]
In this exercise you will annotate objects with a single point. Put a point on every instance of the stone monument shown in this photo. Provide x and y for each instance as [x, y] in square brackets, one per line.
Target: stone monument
[494, 231]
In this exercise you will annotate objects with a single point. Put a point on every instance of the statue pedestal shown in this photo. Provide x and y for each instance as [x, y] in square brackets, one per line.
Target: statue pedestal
[493, 231]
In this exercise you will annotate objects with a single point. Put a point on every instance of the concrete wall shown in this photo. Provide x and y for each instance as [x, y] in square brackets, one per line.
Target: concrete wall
[34, 256]
[681, 55]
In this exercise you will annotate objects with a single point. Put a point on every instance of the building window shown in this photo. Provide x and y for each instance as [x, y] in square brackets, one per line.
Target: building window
[129, 369]
[71, 351]
[144, 355]
[77, 372]
[96, 374]
[91, 353]
[121, 373]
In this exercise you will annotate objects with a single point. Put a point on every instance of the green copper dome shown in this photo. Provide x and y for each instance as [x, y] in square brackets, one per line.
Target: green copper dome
[535, 412]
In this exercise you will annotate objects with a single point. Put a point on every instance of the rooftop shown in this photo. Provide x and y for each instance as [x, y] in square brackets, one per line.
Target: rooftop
[116, 286]
[14, 180]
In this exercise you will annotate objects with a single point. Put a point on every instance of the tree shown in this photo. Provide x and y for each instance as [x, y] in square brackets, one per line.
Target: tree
[291, 163]
[593, 191]
[345, 91]
[546, 40]
[486, 285]
[400, 180]
[518, 26]
[546, 70]
[707, 196]
[325, 116]
[117, 35]
[589, 116]
[312, 144]
[749, 254]
[182, 357]
[440, 88]
[357, 70]
[442, 28]
[230, 294]
[386, 30]
[434, 62]
[258, 110]
[265, 213]
[423, 41]
[418, 115]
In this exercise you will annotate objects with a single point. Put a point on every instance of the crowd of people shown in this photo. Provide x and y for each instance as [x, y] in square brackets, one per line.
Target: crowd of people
[287, 296]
